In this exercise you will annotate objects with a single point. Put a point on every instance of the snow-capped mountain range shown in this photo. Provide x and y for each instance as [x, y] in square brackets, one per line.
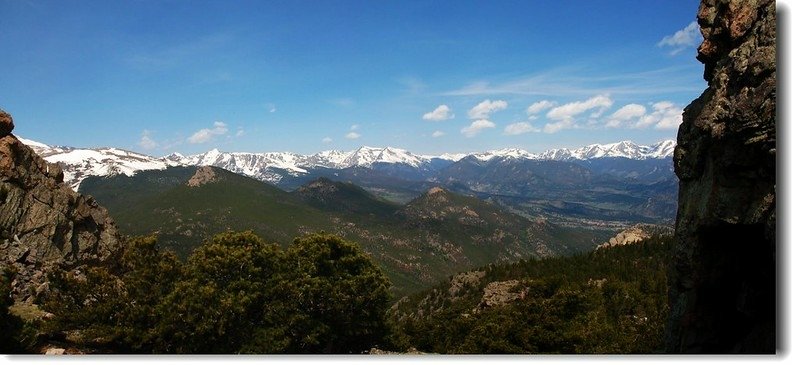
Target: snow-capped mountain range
[79, 163]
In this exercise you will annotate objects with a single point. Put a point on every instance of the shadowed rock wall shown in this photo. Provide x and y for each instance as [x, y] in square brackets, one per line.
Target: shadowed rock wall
[723, 282]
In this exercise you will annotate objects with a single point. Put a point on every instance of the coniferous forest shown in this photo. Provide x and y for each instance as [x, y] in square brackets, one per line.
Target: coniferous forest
[321, 294]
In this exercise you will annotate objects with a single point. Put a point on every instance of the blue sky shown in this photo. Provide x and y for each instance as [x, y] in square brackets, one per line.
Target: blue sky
[305, 76]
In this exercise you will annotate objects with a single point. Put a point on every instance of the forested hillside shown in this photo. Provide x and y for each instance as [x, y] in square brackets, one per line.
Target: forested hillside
[613, 300]
[417, 244]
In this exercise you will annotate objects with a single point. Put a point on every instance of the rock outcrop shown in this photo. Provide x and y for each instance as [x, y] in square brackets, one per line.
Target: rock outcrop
[722, 287]
[204, 175]
[635, 234]
[6, 123]
[43, 223]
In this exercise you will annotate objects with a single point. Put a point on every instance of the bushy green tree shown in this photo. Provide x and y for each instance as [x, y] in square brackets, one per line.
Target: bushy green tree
[235, 294]
[342, 296]
[115, 305]
[218, 307]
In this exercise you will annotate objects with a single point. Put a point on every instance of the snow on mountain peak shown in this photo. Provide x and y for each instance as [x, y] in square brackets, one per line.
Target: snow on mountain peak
[623, 149]
[271, 166]
[514, 153]
[80, 163]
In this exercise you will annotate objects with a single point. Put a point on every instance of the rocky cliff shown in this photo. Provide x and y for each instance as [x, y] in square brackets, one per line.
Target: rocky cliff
[43, 223]
[722, 287]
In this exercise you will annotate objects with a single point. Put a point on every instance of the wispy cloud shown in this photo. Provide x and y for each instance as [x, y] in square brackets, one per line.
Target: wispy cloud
[343, 102]
[352, 135]
[568, 111]
[437, 134]
[476, 127]
[442, 112]
[582, 82]
[146, 142]
[588, 114]
[519, 128]
[175, 54]
[564, 116]
[486, 107]
[690, 36]
[327, 140]
[206, 134]
[412, 84]
[539, 106]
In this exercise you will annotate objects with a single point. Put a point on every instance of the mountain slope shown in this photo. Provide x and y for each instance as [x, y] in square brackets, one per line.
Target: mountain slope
[413, 250]
[340, 197]
[184, 215]
[483, 228]
[80, 163]
[614, 184]
[612, 300]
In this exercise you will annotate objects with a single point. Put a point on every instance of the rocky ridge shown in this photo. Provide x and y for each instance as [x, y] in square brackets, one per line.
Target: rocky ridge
[44, 224]
[723, 283]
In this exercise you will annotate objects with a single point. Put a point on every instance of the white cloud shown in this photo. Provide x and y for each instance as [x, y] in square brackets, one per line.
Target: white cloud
[352, 135]
[559, 125]
[664, 115]
[569, 111]
[690, 36]
[519, 128]
[327, 140]
[486, 107]
[629, 111]
[539, 106]
[442, 112]
[146, 141]
[206, 134]
[476, 127]
[437, 134]
[240, 132]
[625, 113]
[354, 127]
[271, 107]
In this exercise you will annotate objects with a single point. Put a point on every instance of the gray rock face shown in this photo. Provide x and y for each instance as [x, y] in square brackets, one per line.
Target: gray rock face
[722, 287]
[43, 223]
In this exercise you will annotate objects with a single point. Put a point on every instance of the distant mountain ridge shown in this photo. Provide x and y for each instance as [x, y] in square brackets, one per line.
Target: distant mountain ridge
[79, 163]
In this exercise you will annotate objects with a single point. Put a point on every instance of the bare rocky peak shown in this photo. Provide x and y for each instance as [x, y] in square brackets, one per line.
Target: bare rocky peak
[204, 175]
[435, 190]
[44, 224]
